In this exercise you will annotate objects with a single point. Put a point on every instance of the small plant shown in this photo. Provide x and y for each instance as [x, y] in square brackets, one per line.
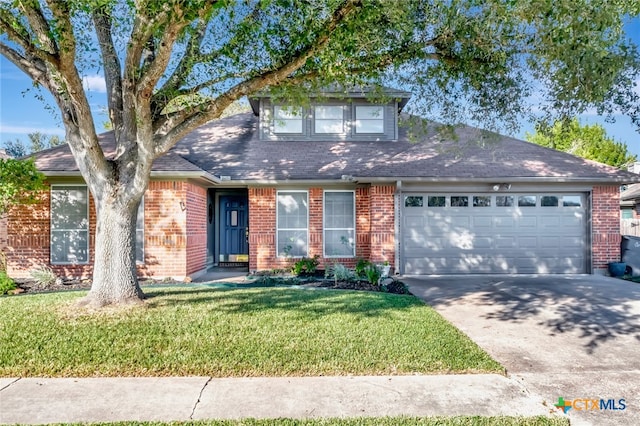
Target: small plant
[6, 283]
[373, 274]
[305, 265]
[339, 272]
[43, 276]
[361, 265]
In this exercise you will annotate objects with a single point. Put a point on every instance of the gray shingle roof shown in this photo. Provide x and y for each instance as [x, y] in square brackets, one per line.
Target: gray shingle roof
[231, 147]
[234, 149]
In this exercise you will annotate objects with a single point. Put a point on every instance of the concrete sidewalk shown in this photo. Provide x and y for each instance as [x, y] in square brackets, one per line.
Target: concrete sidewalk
[33, 400]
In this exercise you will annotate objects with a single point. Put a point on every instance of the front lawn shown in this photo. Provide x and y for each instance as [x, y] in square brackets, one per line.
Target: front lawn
[194, 330]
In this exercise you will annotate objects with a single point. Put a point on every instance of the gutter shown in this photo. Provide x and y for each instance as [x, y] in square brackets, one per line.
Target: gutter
[154, 174]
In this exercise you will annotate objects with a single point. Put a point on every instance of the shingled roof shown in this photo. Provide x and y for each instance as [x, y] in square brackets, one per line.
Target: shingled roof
[231, 147]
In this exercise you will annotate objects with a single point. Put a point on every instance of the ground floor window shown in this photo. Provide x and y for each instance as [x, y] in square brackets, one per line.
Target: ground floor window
[140, 233]
[339, 224]
[69, 224]
[292, 233]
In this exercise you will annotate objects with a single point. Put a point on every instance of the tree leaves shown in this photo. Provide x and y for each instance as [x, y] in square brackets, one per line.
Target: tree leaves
[586, 141]
[20, 182]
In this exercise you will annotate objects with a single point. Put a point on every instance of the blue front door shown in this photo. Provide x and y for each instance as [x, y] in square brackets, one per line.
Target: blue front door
[233, 229]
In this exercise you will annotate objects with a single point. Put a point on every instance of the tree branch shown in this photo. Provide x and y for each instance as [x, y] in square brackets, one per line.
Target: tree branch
[174, 128]
[111, 64]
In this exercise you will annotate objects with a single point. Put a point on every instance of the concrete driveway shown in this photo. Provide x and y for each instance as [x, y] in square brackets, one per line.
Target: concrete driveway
[575, 337]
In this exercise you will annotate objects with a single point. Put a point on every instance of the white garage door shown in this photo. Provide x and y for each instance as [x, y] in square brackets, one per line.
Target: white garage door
[493, 233]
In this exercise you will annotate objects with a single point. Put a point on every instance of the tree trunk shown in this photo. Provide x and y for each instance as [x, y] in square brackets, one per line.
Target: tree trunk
[114, 270]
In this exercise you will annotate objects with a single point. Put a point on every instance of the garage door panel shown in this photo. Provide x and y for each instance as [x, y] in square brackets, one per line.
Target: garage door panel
[494, 239]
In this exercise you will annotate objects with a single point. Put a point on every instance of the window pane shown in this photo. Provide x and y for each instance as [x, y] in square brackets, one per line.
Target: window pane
[292, 243]
[626, 214]
[460, 201]
[69, 224]
[369, 112]
[527, 201]
[435, 201]
[549, 201]
[287, 120]
[338, 210]
[504, 200]
[69, 207]
[140, 246]
[369, 119]
[292, 224]
[69, 246]
[413, 201]
[339, 243]
[339, 223]
[140, 233]
[572, 201]
[325, 112]
[292, 210]
[481, 201]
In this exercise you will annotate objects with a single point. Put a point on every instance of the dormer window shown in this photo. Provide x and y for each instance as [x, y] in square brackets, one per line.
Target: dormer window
[287, 119]
[369, 119]
[328, 119]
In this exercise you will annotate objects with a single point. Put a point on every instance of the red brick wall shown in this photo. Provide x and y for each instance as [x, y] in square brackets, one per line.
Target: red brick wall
[262, 230]
[605, 226]
[175, 234]
[165, 222]
[375, 221]
[196, 228]
[28, 240]
[382, 224]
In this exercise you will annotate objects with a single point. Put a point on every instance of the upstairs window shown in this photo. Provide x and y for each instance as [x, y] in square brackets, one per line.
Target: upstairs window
[369, 119]
[328, 119]
[69, 224]
[287, 119]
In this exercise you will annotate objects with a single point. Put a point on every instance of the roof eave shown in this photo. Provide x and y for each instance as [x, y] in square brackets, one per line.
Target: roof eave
[198, 175]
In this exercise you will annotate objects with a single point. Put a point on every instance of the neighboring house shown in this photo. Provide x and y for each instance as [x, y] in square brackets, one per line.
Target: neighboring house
[341, 180]
[630, 205]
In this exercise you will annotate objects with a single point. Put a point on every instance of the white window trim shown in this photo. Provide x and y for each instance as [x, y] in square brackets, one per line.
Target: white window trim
[275, 118]
[355, 118]
[324, 227]
[278, 229]
[144, 254]
[51, 230]
[315, 119]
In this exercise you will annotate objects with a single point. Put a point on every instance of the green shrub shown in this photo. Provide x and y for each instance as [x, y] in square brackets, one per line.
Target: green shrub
[305, 265]
[339, 272]
[43, 276]
[6, 283]
[373, 274]
[396, 287]
[361, 265]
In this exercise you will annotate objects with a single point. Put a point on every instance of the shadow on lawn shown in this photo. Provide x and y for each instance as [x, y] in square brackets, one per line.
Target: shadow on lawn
[599, 309]
[309, 302]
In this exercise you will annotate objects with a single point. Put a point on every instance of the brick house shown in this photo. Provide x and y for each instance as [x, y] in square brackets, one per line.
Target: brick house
[340, 179]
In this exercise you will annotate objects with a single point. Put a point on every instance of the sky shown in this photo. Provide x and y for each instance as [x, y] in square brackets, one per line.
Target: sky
[24, 109]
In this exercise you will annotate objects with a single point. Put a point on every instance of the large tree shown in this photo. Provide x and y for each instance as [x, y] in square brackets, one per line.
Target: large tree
[171, 66]
[588, 141]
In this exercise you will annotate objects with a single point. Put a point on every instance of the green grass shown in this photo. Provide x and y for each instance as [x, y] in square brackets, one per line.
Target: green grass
[373, 421]
[230, 333]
